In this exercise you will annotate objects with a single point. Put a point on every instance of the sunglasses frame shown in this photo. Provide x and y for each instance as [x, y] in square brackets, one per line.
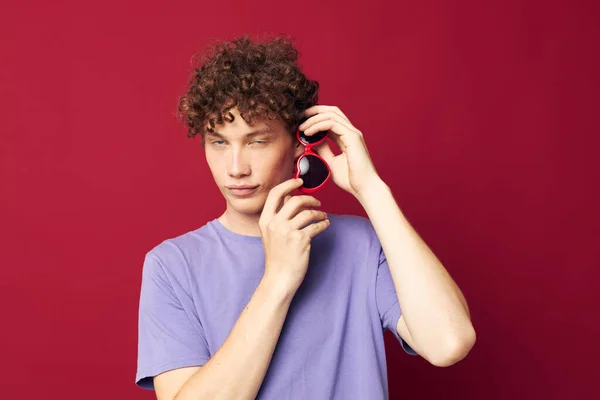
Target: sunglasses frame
[308, 150]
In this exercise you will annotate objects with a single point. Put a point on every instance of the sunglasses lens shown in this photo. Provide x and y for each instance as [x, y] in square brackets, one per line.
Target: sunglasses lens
[313, 138]
[313, 171]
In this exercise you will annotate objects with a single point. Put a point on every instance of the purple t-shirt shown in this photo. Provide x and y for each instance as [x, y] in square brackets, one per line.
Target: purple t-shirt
[195, 286]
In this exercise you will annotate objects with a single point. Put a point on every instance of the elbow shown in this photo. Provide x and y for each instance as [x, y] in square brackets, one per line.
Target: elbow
[456, 349]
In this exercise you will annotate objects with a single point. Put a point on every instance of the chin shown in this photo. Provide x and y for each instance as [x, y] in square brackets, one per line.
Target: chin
[248, 206]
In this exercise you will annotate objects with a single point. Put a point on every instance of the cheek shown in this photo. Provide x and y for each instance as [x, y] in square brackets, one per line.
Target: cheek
[214, 166]
[278, 162]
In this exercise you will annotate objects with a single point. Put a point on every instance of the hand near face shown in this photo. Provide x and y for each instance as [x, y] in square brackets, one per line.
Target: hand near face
[288, 224]
[353, 169]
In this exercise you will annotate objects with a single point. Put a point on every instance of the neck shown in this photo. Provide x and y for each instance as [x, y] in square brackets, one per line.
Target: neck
[242, 224]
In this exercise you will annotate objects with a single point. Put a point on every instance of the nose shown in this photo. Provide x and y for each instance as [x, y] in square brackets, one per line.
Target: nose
[238, 164]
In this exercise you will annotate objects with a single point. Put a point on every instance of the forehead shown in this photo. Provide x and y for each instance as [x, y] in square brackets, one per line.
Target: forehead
[239, 128]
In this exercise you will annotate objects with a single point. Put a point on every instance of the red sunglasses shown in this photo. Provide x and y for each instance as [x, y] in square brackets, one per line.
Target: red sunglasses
[310, 166]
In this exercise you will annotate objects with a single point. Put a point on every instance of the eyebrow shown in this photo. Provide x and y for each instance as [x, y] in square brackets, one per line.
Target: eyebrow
[247, 135]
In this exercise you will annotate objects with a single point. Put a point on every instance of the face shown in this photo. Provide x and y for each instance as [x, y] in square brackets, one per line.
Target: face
[248, 161]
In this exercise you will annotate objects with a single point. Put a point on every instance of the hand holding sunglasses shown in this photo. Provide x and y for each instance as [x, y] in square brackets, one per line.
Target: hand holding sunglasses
[352, 169]
[310, 166]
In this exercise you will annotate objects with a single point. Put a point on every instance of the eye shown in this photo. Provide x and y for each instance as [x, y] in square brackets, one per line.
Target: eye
[218, 142]
[258, 142]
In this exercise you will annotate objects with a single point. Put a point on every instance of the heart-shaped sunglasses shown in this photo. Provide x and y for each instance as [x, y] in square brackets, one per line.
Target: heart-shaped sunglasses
[310, 166]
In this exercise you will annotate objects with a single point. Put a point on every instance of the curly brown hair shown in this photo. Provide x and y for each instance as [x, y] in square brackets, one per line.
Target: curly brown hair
[260, 79]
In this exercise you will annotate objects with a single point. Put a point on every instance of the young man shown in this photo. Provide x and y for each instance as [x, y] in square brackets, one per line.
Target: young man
[276, 299]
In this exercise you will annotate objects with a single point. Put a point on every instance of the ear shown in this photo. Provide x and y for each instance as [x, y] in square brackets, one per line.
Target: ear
[299, 150]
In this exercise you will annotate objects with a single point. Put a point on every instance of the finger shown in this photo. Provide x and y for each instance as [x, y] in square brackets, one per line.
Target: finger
[314, 229]
[294, 206]
[322, 116]
[325, 151]
[320, 108]
[305, 126]
[276, 195]
[306, 217]
[338, 130]
[285, 200]
[320, 126]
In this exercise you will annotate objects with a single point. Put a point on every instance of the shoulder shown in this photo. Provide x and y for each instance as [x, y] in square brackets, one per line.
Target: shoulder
[350, 243]
[174, 254]
[351, 231]
[353, 225]
[184, 243]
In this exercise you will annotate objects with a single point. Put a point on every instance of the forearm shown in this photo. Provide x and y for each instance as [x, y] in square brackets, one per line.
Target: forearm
[434, 309]
[237, 369]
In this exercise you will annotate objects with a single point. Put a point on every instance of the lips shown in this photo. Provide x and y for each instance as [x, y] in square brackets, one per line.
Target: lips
[242, 191]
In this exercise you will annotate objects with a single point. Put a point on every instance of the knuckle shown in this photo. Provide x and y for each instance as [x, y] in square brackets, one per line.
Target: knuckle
[304, 214]
[272, 226]
[296, 201]
[310, 215]
[298, 235]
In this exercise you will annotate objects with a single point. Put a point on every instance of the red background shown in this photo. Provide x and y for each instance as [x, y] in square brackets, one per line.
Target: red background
[481, 117]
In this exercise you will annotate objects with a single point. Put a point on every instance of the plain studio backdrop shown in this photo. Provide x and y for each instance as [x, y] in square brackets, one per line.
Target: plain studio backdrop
[481, 116]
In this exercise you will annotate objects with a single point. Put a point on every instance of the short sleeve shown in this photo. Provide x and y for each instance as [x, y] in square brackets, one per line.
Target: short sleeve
[387, 301]
[168, 336]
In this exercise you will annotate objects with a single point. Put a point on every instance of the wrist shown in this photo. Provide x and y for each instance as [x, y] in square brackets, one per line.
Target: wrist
[278, 288]
[372, 191]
